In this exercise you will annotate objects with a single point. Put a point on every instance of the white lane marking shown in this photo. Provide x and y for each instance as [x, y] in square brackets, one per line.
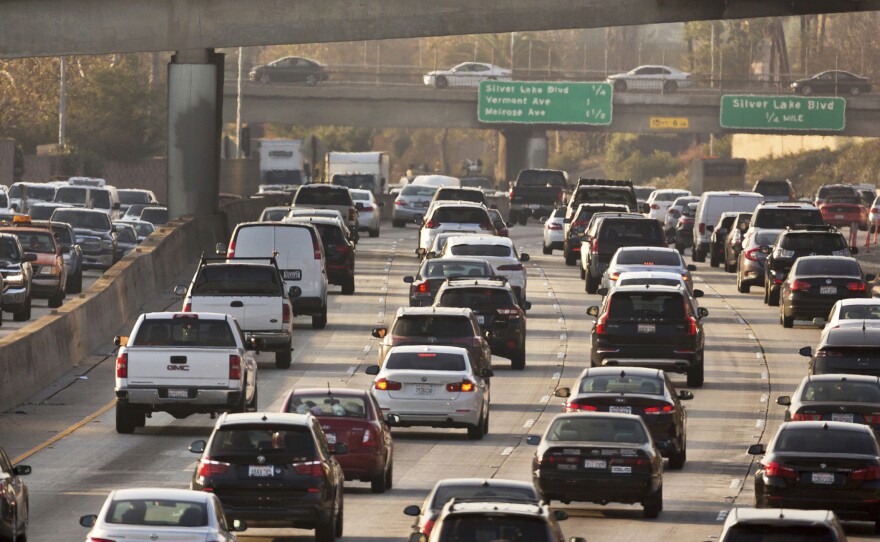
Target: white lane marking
[752, 337]
[380, 314]
[722, 515]
[507, 451]
[562, 336]
[741, 321]
[764, 376]
[765, 398]
[759, 355]
[529, 423]
[562, 320]
[367, 348]
[351, 370]
[735, 483]
[545, 399]
[549, 294]
[556, 306]
[759, 423]
[556, 376]
[560, 355]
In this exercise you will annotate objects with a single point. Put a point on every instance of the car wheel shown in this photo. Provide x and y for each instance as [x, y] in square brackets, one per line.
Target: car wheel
[546, 250]
[476, 432]
[855, 91]
[670, 86]
[319, 321]
[653, 504]
[348, 286]
[340, 517]
[326, 532]
[518, 359]
[583, 274]
[620, 85]
[570, 258]
[24, 314]
[696, 375]
[807, 90]
[677, 459]
[283, 358]
[379, 484]
[679, 248]
[714, 260]
[441, 82]
[784, 319]
[56, 300]
[486, 424]
[374, 233]
[311, 80]
[126, 419]
[75, 285]
[742, 287]
[389, 476]
[697, 256]
[727, 267]
[523, 219]
[592, 285]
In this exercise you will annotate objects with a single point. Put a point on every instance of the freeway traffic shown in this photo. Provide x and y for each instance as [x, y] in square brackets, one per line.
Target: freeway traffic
[748, 363]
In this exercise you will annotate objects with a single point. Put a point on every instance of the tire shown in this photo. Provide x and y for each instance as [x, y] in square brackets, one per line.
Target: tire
[126, 419]
[677, 459]
[242, 405]
[398, 224]
[56, 300]
[512, 217]
[653, 504]
[570, 258]
[670, 86]
[697, 256]
[374, 233]
[583, 274]
[340, 518]
[546, 250]
[76, 283]
[591, 285]
[714, 261]
[807, 90]
[679, 248]
[253, 405]
[476, 432]
[696, 375]
[389, 476]
[311, 80]
[773, 297]
[486, 424]
[319, 321]
[326, 532]
[620, 86]
[741, 287]
[518, 360]
[441, 82]
[24, 314]
[283, 358]
[379, 484]
[786, 321]
[348, 286]
[523, 219]
[727, 267]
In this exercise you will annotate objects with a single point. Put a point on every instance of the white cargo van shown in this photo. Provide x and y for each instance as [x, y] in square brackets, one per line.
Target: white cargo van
[300, 257]
[709, 210]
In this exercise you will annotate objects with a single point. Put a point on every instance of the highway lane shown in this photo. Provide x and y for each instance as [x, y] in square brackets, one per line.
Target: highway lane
[40, 307]
[734, 409]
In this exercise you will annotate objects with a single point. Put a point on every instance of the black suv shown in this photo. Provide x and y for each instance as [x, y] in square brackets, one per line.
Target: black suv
[793, 243]
[815, 283]
[612, 233]
[576, 226]
[494, 303]
[273, 470]
[649, 326]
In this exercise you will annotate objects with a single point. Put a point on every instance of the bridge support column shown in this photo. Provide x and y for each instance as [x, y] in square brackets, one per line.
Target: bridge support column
[520, 148]
[195, 108]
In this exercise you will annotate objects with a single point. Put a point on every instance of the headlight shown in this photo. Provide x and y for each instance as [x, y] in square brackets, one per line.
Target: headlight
[49, 270]
[15, 280]
[105, 244]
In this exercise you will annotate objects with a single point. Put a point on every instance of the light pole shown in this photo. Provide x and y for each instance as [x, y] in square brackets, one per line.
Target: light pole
[238, 109]
[62, 105]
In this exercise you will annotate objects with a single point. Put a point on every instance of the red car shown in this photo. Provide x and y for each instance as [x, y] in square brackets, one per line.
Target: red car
[351, 416]
[841, 211]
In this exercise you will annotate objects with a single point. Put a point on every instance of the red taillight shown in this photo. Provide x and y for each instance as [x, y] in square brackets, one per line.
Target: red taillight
[464, 385]
[674, 212]
[750, 254]
[856, 286]
[230, 252]
[309, 468]
[431, 224]
[594, 246]
[399, 202]
[428, 527]
[234, 367]
[702, 228]
[185, 316]
[554, 226]
[285, 312]
[511, 267]
[601, 323]
[665, 409]
[579, 223]
[872, 420]
[316, 247]
[800, 285]
[187, 307]
[370, 438]
[208, 467]
[93, 539]
[122, 366]
[510, 195]
[387, 385]
[869, 473]
[423, 288]
[776, 470]
[574, 407]
[654, 206]
[801, 417]
[614, 276]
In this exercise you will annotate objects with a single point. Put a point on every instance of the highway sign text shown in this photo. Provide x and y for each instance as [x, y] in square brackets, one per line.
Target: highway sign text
[521, 102]
[783, 113]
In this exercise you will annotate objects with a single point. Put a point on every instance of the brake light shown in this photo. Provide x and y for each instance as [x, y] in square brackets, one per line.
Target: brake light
[632, 461]
[187, 307]
[601, 323]
[208, 467]
[828, 354]
[309, 468]
[387, 385]
[285, 313]
[702, 228]
[574, 407]
[428, 527]
[370, 438]
[554, 226]
[511, 267]
[750, 254]
[674, 212]
[368, 208]
[463, 386]
[856, 286]
[316, 246]
[801, 417]
[872, 420]
[654, 206]
[659, 410]
[423, 288]
[776, 470]
[185, 316]
[510, 195]
[799, 285]
[594, 246]
[122, 366]
[869, 473]
[230, 252]
[342, 248]
[431, 224]
[234, 367]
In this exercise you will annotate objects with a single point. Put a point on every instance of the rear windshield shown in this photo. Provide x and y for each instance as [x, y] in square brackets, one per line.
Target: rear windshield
[778, 219]
[622, 384]
[274, 215]
[184, 332]
[155, 216]
[438, 268]
[418, 190]
[157, 513]
[501, 251]
[40, 212]
[587, 212]
[667, 196]
[660, 307]
[323, 196]
[36, 241]
[620, 196]
[143, 229]
[237, 280]
[44, 193]
[772, 188]
[647, 280]
[825, 441]
[461, 195]
[859, 312]
[682, 201]
[331, 235]
[366, 182]
[648, 257]
[446, 492]
[548, 179]
[756, 532]
[128, 197]
[826, 191]
[460, 215]
[84, 220]
[70, 194]
[643, 193]
[359, 196]
[279, 444]
[425, 361]
[820, 268]
[814, 242]
[328, 405]
[630, 232]
[854, 200]
[492, 527]
[433, 326]
[476, 298]
[597, 429]
[840, 391]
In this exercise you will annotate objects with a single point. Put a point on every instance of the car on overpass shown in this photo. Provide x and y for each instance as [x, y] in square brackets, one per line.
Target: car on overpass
[466, 74]
[662, 78]
[290, 69]
[832, 82]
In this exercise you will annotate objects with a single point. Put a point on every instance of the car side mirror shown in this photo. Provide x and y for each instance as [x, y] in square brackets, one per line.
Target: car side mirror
[340, 448]
[870, 277]
[431, 255]
[418, 537]
[64, 250]
[685, 395]
[88, 521]
[819, 322]
[30, 257]
[670, 240]
[533, 440]
[220, 249]
[487, 373]
[602, 291]
[372, 370]
[764, 249]
[393, 420]
[757, 449]
[412, 510]
[806, 351]
[691, 267]
[853, 250]
[698, 293]
[499, 225]
[560, 515]
[238, 526]
[198, 447]
[526, 305]
[294, 292]
[703, 312]
[408, 279]
[380, 332]
[180, 290]
[21, 470]
[562, 392]
[783, 400]
[524, 257]
[120, 340]
[593, 311]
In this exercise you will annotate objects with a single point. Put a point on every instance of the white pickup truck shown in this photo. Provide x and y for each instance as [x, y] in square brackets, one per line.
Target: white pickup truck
[251, 290]
[183, 364]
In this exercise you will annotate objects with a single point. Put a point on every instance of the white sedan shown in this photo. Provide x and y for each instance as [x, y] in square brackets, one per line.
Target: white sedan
[161, 514]
[433, 386]
[369, 212]
[554, 234]
[466, 74]
[651, 78]
[854, 311]
[500, 252]
[661, 200]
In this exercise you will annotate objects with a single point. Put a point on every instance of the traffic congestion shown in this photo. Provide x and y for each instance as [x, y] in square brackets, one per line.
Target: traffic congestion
[443, 377]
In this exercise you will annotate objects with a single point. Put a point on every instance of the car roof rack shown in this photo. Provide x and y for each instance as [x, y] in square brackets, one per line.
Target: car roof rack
[223, 259]
[604, 182]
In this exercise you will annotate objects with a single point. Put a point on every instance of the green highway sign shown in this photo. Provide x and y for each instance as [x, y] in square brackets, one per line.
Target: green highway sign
[529, 102]
[783, 113]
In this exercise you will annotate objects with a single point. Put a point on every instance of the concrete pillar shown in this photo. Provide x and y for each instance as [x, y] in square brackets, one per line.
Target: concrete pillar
[520, 148]
[195, 107]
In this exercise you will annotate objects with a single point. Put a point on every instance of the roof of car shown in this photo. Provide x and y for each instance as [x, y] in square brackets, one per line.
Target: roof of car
[327, 220]
[859, 301]
[277, 208]
[486, 482]
[481, 239]
[778, 515]
[429, 311]
[644, 287]
[347, 392]
[605, 415]
[455, 259]
[465, 188]
[646, 249]
[785, 205]
[649, 274]
[322, 186]
[617, 371]
[153, 493]
[426, 348]
[183, 315]
[826, 258]
[286, 418]
[457, 203]
[851, 336]
[499, 283]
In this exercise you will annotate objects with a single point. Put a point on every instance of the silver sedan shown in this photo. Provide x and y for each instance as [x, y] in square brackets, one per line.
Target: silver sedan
[629, 259]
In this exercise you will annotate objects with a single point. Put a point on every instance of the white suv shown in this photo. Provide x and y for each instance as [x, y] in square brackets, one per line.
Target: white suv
[454, 216]
[661, 200]
[500, 252]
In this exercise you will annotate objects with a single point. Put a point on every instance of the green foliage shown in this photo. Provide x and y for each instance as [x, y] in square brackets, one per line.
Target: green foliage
[638, 158]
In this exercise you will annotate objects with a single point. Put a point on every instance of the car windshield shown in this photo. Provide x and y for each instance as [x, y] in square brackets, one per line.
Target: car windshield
[825, 441]
[41, 212]
[322, 196]
[43, 193]
[494, 527]
[83, 219]
[354, 180]
[62, 235]
[476, 298]
[157, 513]
[274, 215]
[9, 250]
[842, 391]
[765, 238]
[594, 428]
[487, 491]
[425, 361]
[761, 532]
[278, 444]
[331, 236]
[499, 251]
[460, 215]
[813, 242]
[237, 280]
[418, 190]
[648, 257]
[630, 232]
[143, 229]
[155, 216]
[437, 268]
[653, 306]
[128, 197]
[340, 406]
[455, 327]
[622, 383]
[826, 191]
[820, 268]
[547, 179]
[184, 332]
[32, 241]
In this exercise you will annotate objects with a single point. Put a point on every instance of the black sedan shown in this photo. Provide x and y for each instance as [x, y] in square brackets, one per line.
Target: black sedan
[836, 398]
[14, 506]
[434, 272]
[649, 326]
[733, 241]
[815, 283]
[821, 465]
[647, 393]
[599, 458]
[846, 350]
[832, 82]
[291, 69]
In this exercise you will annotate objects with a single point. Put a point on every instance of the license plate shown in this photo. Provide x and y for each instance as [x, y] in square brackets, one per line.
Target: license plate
[481, 319]
[331, 438]
[647, 328]
[178, 394]
[595, 464]
[828, 290]
[621, 470]
[842, 418]
[261, 471]
[534, 206]
[567, 467]
[292, 274]
[621, 409]
[825, 478]
[839, 217]
[422, 389]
